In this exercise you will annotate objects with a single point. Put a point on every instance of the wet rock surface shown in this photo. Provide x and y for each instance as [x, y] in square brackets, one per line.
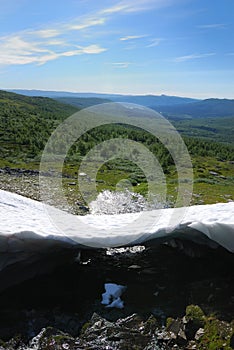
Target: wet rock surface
[132, 332]
[63, 310]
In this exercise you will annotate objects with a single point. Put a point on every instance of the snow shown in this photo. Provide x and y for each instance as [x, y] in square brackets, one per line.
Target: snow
[30, 230]
[111, 297]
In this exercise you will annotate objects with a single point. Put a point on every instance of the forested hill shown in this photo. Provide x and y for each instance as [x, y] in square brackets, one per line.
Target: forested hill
[12, 104]
[82, 102]
[212, 107]
[27, 122]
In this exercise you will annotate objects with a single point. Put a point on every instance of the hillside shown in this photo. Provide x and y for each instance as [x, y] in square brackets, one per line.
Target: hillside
[45, 107]
[27, 122]
[212, 107]
[81, 102]
[220, 129]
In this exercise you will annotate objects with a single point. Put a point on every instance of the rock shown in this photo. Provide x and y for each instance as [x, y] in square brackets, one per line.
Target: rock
[133, 321]
[200, 332]
[134, 267]
[191, 328]
[174, 326]
[151, 325]
[165, 336]
[191, 345]
[177, 328]
[124, 334]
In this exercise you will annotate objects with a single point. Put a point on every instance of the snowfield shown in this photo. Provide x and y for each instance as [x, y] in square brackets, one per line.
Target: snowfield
[30, 230]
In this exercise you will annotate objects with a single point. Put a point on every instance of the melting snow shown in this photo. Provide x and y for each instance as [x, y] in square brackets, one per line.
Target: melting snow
[27, 233]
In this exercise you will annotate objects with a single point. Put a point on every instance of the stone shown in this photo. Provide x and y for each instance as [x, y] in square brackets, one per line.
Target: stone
[200, 332]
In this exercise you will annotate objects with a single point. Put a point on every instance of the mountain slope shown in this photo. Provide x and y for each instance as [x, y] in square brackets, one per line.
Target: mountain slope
[45, 107]
[212, 107]
[81, 102]
[27, 122]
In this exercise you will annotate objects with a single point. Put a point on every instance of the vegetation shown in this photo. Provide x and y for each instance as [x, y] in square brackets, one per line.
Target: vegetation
[210, 332]
[206, 108]
[26, 123]
[214, 129]
[195, 314]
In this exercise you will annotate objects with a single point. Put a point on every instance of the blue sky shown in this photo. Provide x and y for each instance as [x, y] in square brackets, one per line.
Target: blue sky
[173, 47]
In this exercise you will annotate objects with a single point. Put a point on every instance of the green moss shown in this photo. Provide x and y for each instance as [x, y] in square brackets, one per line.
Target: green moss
[84, 328]
[150, 325]
[2, 343]
[195, 313]
[217, 335]
[169, 321]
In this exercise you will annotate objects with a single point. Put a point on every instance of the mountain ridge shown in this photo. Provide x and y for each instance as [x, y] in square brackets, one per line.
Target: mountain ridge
[145, 100]
[212, 107]
[172, 107]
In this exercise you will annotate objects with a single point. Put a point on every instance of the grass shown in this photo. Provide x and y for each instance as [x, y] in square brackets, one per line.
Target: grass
[213, 179]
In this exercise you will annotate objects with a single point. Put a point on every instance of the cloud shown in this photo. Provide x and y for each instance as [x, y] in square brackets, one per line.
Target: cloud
[192, 57]
[46, 33]
[61, 40]
[47, 44]
[135, 6]
[132, 37]
[120, 64]
[212, 26]
[115, 9]
[89, 22]
[155, 42]
[15, 50]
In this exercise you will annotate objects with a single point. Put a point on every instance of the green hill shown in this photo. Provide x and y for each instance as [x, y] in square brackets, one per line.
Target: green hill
[212, 107]
[27, 122]
[82, 102]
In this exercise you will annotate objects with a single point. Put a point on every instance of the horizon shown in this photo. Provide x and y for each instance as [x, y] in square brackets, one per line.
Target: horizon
[116, 93]
[152, 47]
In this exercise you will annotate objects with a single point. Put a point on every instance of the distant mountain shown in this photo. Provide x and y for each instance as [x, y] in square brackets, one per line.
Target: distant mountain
[152, 100]
[212, 107]
[171, 106]
[144, 100]
[81, 102]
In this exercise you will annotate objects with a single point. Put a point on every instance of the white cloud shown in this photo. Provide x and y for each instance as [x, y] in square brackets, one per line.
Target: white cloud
[46, 33]
[192, 57]
[115, 9]
[212, 26]
[61, 40]
[155, 42]
[127, 6]
[19, 51]
[132, 37]
[120, 64]
[89, 22]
